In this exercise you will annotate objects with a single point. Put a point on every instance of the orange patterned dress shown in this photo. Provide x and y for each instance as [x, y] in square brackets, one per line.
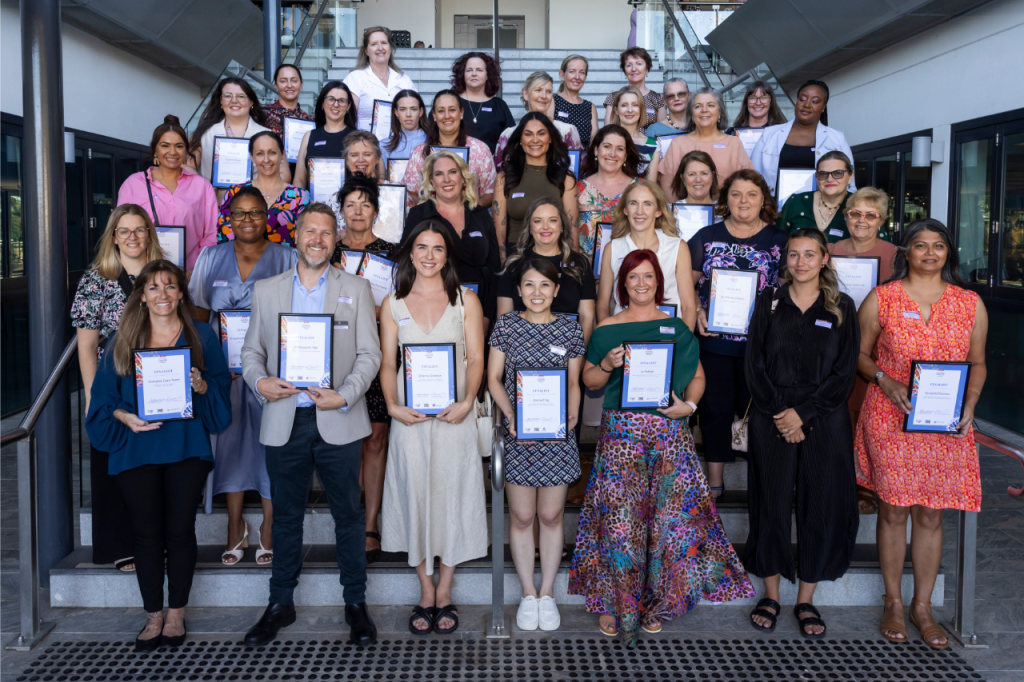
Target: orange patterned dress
[929, 469]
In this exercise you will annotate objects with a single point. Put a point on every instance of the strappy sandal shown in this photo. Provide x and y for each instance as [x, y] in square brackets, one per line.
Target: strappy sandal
[716, 488]
[760, 610]
[930, 632]
[867, 498]
[809, 620]
[237, 553]
[420, 613]
[373, 555]
[263, 551]
[613, 632]
[652, 630]
[893, 625]
[123, 565]
[451, 612]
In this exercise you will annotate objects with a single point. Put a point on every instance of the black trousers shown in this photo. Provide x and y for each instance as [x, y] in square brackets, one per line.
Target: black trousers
[725, 400]
[821, 471]
[291, 475]
[162, 500]
[112, 535]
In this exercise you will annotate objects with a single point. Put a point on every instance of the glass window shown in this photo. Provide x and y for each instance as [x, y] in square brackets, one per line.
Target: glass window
[103, 194]
[887, 179]
[975, 203]
[13, 254]
[79, 251]
[917, 189]
[862, 172]
[1012, 227]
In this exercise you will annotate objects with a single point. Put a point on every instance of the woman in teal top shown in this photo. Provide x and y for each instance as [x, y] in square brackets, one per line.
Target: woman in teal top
[650, 544]
[824, 209]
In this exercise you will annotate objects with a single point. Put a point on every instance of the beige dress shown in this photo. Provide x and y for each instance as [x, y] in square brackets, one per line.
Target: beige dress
[434, 486]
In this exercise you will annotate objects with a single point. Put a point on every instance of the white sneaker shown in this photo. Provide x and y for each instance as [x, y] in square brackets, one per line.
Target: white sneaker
[549, 618]
[527, 616]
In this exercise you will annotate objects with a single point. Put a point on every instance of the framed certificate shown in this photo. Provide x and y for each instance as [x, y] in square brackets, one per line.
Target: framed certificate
[429, 377]
[294, 130]
[733, 293]
[380, 273]
[647, 374]
[351, 261]
[326, 176]
[233, 326]
[395, 170]
[858, 275]
[542, 396]
[380, 124]
[574, 162]
[472, 286]
[691, 218]
[231, 162]
[571, 316]
[461, 151]
[937, 391]
[163, 385]
[305, 345]
[664, 141]
[793, 181]
[670, 309]
[391, 216]
[172, 241]
[601, 240]
[749, 137]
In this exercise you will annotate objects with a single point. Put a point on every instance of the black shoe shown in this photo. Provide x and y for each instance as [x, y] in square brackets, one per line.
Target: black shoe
[364, 632]
[144, 646]
[273, 619]
[177, 640]
[372, 555]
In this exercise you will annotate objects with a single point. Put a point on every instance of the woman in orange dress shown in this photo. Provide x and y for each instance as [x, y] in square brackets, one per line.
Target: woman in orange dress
[922, 314]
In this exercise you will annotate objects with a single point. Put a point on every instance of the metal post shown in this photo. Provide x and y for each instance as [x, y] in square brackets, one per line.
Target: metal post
[499, 626]
[272, 37]
[961, 626]
[494, 36]
[47, 269]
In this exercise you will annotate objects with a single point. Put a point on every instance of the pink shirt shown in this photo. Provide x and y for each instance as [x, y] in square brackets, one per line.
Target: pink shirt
[193, 204]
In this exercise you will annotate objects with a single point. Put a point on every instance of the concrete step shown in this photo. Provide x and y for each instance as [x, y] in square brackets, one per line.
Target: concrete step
[406, 53]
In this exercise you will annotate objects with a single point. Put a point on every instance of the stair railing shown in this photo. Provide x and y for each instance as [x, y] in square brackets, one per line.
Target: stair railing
[32, 627]
[498, 627]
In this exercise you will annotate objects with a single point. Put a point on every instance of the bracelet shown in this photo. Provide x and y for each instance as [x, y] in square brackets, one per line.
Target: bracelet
[600, 366]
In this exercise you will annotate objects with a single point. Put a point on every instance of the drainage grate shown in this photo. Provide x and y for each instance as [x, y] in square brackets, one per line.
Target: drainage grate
[543, 658]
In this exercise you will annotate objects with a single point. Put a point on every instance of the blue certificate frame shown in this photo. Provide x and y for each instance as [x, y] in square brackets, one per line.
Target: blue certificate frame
[946, 384]
[460, 151]
[670, 309]
[158, 414]
[330, 168]
[411, 353]
[601, 240]
[350, 261]
[323, 375]
[380, 123]
[557, 377]
[219, 142]
[395, 170]
[635, 351]
[693, 214]
[223, 318]
[754, 276]
[472, 286]
[294, 130]
[571, 316]
[574, 162]
[172, 240]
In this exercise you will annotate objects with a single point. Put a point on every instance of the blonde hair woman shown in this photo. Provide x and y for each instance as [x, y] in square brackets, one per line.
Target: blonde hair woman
[644, 220]
[628, 111]
[538, 95]
[376, 75]
[570, 107]
[128, 243]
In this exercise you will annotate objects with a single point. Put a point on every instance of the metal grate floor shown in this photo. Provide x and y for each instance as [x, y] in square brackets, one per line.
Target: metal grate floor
[542, 658]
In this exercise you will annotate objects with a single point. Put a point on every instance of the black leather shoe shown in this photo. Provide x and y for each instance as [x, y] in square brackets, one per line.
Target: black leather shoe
[143, 646]
[177, 640]
[364, 632]
[273, 619]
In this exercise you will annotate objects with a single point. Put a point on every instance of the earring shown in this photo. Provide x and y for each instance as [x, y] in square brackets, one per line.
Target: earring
[156, 160]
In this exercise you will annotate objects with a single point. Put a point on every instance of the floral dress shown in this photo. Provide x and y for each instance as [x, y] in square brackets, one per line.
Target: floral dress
[98, 304]
[281, 215]
[595, 208]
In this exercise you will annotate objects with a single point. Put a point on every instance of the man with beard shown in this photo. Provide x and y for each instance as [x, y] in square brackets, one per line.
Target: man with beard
[314, 427]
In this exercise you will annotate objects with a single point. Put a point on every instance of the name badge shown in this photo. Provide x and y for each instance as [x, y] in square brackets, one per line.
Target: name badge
[557, 350]
[563, 114]
[485, 108]
[476, 234]
[402, 321]
[220, 283]
[719, 146]
[912, 314]
[668, 330]
[345, 299]
[317, 144]
[518, 195]
[836, 233]
[341, 325]
[619, 261]
[823, 323]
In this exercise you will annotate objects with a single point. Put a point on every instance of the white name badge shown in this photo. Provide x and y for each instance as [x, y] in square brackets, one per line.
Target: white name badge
[220, 283]
[557, 350]
[912, 314]
[836, 233]
[518, 195]
[823, 323]
[476, 234]
[563, 114]
[668, 330]
[345, 299]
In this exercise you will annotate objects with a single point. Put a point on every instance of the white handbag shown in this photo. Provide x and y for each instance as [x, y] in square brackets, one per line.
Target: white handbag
[739, 427]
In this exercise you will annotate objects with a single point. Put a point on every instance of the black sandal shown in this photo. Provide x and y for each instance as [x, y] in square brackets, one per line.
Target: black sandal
[373, 555]
[123, 563]
[809, 620]
[420, 613]
[761, 611]
[450, 611]
[719, 488]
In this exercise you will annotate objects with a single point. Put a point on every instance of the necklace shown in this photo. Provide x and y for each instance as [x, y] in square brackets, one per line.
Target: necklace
[831, 209]
[475, 113]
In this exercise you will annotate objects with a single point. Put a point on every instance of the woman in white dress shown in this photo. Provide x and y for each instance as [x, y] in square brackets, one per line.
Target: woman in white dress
[433, 490]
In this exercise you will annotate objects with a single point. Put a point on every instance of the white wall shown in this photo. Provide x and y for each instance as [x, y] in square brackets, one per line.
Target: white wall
[106, 90]
[589, 24]
[415, 16]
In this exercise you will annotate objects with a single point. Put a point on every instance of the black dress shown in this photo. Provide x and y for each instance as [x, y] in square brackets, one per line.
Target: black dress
[323, 144]
[570, 290]
[486, 120]
[578, 115]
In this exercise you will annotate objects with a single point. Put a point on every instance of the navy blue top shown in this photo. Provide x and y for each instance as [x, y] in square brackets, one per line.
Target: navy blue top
[174, 441]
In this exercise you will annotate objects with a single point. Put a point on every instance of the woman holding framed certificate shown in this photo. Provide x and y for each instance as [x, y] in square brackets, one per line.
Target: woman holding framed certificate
[222, 283]
[745, 240]
[377, 75]
[433, 489]
[800, 364]
[923, 347]
[160, 466]
[536, 360]
[335, 117]
[824, 208]
[650, 544]
[284, 201]
[127, 244]
[611, 164]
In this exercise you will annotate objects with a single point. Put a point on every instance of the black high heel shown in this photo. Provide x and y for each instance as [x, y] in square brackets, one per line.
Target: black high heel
[177, 640]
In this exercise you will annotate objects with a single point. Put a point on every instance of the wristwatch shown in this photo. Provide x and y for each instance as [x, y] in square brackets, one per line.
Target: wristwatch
[878, 377]
[693, 406]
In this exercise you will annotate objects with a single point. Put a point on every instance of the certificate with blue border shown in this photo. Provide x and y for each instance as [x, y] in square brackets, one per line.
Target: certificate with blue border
[733, 293]
[395, 170]
[937, 390]
[541, 403]
[670, 309]
[793, 181]
[472, 286]
[380, 123]
[233, 326]
[351, 261]
[231, 163]
[430, 384]
[163, 383]
[691, 218]
[601, 240]
[647, 368]
[326, 176]
[572, 316]
[294, 130]
[574, 162]
[458, 151]
[305, 346]
[172, 241]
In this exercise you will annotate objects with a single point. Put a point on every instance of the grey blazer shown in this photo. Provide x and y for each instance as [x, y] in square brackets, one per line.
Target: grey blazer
[356, 358]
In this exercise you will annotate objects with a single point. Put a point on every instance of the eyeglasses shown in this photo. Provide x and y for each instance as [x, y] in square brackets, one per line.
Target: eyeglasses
[234, 97]
[124, 232]
[836, 174]
[335, 102]
[252, 215]
[762, 98]
[870, 216]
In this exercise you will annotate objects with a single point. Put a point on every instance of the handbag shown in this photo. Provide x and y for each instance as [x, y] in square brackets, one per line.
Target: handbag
[483, 412]
[739, 427]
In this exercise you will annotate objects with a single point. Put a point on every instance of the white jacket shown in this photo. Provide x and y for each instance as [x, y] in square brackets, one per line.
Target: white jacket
[765, 156]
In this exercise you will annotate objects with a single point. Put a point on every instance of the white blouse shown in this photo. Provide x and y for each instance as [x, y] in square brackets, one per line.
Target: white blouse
[668, 251]
[367, 86]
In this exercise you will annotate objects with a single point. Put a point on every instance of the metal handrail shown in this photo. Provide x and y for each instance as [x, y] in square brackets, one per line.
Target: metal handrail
[309, 34]
[1004, 448]
[28, 422]
[686, 43]
[497, 628]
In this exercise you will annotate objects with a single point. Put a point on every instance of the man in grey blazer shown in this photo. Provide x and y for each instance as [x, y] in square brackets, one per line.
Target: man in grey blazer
[315, 428]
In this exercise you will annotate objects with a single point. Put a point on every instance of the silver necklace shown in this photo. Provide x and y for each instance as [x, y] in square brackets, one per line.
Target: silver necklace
[474, 112]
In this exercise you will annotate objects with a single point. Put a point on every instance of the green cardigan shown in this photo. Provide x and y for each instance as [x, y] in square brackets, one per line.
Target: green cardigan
[799, 213]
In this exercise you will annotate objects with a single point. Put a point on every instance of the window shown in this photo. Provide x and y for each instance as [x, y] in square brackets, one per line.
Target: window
[12, 256]
[886, 164]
